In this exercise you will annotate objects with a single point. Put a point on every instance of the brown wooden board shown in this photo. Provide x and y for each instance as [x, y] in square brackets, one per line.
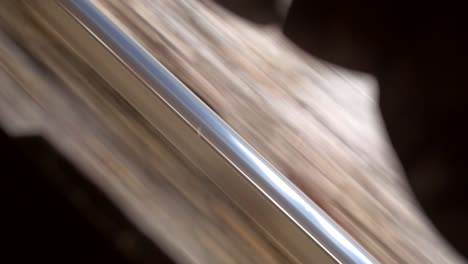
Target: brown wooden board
[47, 90]
[317, 123]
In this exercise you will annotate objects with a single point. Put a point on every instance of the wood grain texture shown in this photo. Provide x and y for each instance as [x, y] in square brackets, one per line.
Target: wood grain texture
[317, 123]
[47, 90]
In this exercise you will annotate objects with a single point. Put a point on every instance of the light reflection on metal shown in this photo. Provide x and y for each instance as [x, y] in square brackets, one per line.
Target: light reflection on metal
[286, 196]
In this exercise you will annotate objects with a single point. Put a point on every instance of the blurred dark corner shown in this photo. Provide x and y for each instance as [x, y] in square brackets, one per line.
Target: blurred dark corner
[259, 11]
[51, 213]
[418, 52]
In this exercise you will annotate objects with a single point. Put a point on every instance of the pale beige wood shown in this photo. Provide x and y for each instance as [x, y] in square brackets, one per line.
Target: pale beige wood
[317, 123]
[49, 91]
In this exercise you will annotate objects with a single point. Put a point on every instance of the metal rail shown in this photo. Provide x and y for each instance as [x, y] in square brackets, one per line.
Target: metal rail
[306, 227]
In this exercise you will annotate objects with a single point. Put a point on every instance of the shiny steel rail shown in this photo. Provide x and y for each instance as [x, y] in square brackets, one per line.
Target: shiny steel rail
[289, 217]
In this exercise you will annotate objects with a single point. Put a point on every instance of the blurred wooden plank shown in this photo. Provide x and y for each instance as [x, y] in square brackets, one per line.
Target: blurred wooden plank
[142, 94]
[48, 90]
[317, 123]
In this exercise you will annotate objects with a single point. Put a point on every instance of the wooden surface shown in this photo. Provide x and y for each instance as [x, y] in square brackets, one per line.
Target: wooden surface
[48, 91]
[316, 123]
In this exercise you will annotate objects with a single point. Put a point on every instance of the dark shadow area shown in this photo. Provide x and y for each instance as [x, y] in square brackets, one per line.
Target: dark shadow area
[52, 213]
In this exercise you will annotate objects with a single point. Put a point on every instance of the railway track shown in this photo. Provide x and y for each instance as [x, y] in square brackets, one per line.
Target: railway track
[290, 220]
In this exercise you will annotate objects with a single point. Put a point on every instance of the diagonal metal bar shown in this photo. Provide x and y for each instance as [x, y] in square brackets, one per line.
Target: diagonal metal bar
[318, 229]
